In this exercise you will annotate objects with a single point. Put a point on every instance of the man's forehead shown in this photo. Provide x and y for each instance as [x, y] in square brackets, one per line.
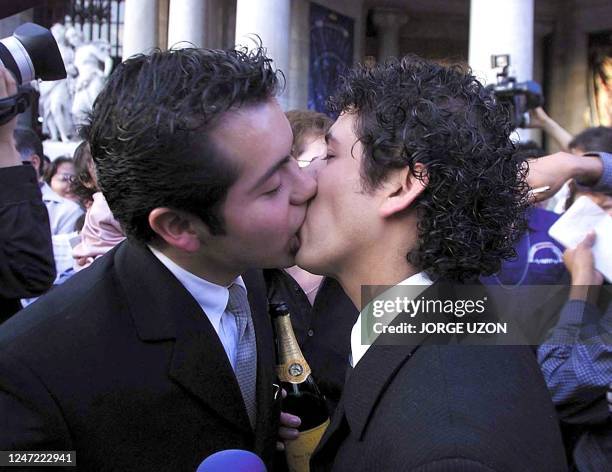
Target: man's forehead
[342, 128]
[255, 138]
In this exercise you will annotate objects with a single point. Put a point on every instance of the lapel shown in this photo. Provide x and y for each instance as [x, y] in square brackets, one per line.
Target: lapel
[162, 309]
[369, 379]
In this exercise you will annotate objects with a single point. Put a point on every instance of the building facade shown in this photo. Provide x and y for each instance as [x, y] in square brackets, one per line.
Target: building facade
[555, 42]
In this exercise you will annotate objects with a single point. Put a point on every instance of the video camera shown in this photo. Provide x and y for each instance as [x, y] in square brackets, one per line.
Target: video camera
[31, 53]
[519, 97]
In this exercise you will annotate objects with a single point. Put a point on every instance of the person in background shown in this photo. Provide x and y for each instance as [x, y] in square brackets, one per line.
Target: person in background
[309, 128]
[63, 213]
[26, 255]
[59, 175]
[576, 360]
[591, 139]
[101, 231]
[539, 258]
[539, 119]
[595, 139]
[592, 171]
[84, 184]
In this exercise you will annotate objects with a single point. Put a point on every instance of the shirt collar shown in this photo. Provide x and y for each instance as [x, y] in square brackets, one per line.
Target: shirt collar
[48, 194]
[211, 297]
[358, 349]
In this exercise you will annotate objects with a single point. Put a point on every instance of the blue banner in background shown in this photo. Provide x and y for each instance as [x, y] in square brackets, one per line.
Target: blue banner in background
[331, 53]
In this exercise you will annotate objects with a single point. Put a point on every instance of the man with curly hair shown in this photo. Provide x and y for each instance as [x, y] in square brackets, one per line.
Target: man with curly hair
[421, 186]
[161, 353]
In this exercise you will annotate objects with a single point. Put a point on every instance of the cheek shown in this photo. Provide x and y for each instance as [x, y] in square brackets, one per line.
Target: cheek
[261, 222]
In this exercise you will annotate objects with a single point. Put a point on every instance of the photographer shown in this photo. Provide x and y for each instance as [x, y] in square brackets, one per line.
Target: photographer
[26, 256]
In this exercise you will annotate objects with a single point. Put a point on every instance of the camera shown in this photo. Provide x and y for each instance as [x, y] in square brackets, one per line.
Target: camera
[31, 53]
[518, 97]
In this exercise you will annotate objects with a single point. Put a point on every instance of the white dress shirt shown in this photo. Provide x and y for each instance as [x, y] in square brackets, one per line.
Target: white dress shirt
[358, 349]
[213, 299]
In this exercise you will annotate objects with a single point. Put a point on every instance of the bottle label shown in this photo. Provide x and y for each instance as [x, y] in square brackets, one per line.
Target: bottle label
[294, 370]
[292, 366]
[300, 449]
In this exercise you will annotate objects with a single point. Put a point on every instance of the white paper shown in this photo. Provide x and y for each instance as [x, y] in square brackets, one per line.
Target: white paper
[583, 216]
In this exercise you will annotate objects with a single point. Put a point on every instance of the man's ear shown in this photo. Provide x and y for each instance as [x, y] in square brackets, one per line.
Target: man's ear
[402, 189]
[177, 228]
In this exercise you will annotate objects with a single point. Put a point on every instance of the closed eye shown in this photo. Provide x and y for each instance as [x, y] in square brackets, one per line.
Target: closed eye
[273, 191]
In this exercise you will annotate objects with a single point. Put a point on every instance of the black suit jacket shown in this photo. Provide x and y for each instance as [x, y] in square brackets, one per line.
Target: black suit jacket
[121, 365]
[441, 406]
[27, 267]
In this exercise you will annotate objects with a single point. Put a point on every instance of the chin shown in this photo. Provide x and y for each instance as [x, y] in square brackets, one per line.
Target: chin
[314, 265]
[282, 261]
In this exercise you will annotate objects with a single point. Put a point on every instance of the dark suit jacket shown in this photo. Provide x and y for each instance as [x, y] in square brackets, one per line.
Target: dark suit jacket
[121, 365]
[27, 267]
[443, 407]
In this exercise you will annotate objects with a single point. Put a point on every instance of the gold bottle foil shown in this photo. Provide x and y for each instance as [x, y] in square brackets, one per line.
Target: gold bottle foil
[292, 366]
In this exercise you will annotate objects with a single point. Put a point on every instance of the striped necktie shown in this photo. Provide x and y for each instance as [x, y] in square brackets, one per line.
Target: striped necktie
[246, 354]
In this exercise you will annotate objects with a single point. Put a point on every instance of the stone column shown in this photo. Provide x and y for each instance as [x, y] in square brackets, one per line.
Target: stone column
[139, 27]
[388, 22]
[270, 20]
[187, 23]
[502, 27]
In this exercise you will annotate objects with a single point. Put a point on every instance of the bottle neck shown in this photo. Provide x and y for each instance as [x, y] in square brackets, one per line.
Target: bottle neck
[291, 364]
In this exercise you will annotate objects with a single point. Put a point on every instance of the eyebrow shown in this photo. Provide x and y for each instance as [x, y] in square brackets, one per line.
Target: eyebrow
[331, 140]
[271, 171]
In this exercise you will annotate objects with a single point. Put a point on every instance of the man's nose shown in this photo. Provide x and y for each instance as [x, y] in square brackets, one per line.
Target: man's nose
[305, 187]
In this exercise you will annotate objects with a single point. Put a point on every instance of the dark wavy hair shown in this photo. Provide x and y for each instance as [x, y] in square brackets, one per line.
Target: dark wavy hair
[150, 131]
[413, 111]
[597, 138]
[83, 185]
[52, 168]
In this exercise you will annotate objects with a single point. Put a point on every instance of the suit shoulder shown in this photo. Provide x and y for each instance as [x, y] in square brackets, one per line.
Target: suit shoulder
[66, 307]
[467, 399]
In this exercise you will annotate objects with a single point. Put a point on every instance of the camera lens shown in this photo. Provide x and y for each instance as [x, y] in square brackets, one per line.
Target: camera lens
[32, 53]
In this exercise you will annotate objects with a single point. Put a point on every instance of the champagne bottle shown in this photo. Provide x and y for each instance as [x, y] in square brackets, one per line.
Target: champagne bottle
[303, 396]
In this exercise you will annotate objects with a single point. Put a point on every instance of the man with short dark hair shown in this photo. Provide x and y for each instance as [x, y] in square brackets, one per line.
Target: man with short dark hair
[160, 353]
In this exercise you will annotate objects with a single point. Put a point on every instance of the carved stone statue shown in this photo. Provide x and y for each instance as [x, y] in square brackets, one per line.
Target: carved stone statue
[93, 63]
[66, 103]
[55, 96]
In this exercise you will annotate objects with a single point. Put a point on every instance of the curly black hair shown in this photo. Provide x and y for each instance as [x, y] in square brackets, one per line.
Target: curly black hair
[150, 131]
[413, 111]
